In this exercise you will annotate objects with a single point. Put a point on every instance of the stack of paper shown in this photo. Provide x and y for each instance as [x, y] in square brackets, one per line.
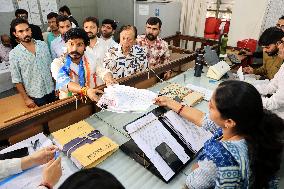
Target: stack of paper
[148, 133]
[193, 136]
[206, 92]
[87, 151]
[121, 99]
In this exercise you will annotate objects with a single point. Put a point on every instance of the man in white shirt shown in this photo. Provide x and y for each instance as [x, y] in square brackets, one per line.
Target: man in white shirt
[5, 48]
[74, 72]
[58, 46]
[108, 28]
[95, 52]
[275, 88]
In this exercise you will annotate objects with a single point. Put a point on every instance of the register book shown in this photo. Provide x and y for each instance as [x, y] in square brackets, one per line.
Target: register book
[161, 128]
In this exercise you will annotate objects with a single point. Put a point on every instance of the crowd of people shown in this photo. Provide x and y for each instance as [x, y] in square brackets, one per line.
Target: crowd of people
[246, 121]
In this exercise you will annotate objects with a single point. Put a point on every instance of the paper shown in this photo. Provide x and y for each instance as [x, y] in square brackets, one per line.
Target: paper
[218, 70]
[149, 136]
[174, 90]
[32, 7]
[32, 178]
[193, 136]
[6, 6]
[121, 99]
[206, 92]
[47, 7]
[143, 10]
[240, 74]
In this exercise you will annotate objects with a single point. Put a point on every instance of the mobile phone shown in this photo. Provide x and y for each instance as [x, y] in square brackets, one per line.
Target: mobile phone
[169, 156]
[22, 152]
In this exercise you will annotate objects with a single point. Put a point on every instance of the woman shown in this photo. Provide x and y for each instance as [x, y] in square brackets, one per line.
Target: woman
[51, 172]
[245, 151]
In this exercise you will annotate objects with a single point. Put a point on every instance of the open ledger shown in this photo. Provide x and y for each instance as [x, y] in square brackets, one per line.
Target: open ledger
[151, 130]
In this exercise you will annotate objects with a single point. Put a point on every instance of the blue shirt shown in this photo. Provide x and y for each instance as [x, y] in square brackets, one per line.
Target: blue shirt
[50, 38]
[33, 71]
[57, 47]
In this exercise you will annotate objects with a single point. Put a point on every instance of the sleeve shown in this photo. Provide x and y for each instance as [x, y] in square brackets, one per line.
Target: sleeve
[209, 125]
[56, 64]
[108, 62]
[10, 167]
[260, 71]
[52, 50]
[202, 177]
[15, 69]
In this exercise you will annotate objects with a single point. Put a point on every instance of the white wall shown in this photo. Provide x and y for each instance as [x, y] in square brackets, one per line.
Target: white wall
[247, 19]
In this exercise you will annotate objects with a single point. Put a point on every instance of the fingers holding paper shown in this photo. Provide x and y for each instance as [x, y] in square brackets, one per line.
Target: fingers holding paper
[44, 155]
[162, 101]
[52, 172]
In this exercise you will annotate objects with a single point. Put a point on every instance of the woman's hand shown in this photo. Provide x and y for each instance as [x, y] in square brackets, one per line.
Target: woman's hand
[44, 155]
[163, 101]
[52, 172]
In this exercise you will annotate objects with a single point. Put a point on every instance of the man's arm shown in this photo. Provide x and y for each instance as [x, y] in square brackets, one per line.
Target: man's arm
[93, 94]
[28, 101]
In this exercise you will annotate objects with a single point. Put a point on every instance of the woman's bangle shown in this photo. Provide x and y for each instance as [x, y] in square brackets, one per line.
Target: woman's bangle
[45, 184]
[181, 108]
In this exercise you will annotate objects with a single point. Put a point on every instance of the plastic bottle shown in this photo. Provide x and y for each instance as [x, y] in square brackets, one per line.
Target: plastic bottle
[223, 45]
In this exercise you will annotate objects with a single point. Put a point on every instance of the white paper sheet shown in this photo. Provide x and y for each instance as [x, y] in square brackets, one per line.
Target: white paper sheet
[150, 136]
[143, 10]
[31, 178]
[32, 7]
[206, 92]
[47, 7]
[6, 6]
[120, 98]
[240, 74]
[193, 135]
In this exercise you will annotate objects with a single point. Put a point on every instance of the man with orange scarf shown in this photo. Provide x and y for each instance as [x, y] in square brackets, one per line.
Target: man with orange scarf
[73, 72]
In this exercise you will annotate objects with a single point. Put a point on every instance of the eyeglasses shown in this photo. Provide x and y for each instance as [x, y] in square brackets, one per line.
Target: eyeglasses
[280, 26]
[280, 42]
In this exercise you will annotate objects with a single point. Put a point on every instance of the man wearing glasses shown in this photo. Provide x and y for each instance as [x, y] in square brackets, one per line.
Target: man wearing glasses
[36, 31]
[271, 62]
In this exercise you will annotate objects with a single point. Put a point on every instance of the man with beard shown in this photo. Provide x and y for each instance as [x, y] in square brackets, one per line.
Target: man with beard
[73, 72]
[271, 62]
[108, 28]
[54, 32]
[127, 58]
[5, 48]
[58, 46]
[95, 53]
[157, 49]
[273, 92]
[30, 66]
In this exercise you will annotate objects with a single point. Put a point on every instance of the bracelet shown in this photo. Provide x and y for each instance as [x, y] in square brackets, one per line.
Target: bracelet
[45, 184]
[84, 90]
[181, 108]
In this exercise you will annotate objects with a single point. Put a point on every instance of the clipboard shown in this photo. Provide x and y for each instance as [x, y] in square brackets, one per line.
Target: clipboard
[131, 149]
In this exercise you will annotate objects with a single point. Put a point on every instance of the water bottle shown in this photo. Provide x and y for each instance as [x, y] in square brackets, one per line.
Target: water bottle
[223, 45]
[198, 65]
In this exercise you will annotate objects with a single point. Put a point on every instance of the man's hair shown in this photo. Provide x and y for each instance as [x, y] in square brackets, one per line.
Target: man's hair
[21, 11]
[16, 22]
[2, 37]
[92, 19]
[281, 18]
[61, 18]
[154, 21]
[270, 36]
[51, 15]
[129, 27]
[88, 178]
[77, 33]
[65, 9]
[111, 22]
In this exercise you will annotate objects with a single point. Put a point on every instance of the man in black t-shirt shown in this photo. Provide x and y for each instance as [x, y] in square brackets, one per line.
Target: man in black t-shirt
[36, 31]
[65, 11]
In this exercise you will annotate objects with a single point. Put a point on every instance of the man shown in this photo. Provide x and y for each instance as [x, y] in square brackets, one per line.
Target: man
[157, 49]
[54, 32]
[275, 88]
[58, 46]
[271, 62]
[30, 66]
[65, 11]
[108, 28]
[95, 51]
[126, 58]
[5, 48]
[73, 73]
[280, 23]
[36, 31]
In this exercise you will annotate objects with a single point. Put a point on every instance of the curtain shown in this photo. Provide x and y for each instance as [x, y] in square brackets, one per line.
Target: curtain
[193, 15]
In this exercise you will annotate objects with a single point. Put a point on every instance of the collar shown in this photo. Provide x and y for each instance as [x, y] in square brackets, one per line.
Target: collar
[24, 48]
[156, 42]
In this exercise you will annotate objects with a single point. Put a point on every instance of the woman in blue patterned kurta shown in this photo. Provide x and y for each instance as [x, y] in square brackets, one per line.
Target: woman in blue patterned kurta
[245, 151]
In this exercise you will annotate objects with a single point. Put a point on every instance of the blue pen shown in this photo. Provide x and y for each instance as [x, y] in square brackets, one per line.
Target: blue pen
[56, 154]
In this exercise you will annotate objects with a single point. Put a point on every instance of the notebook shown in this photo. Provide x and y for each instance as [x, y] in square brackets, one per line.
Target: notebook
[157, 127]
[218, 70]
[84, 145]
